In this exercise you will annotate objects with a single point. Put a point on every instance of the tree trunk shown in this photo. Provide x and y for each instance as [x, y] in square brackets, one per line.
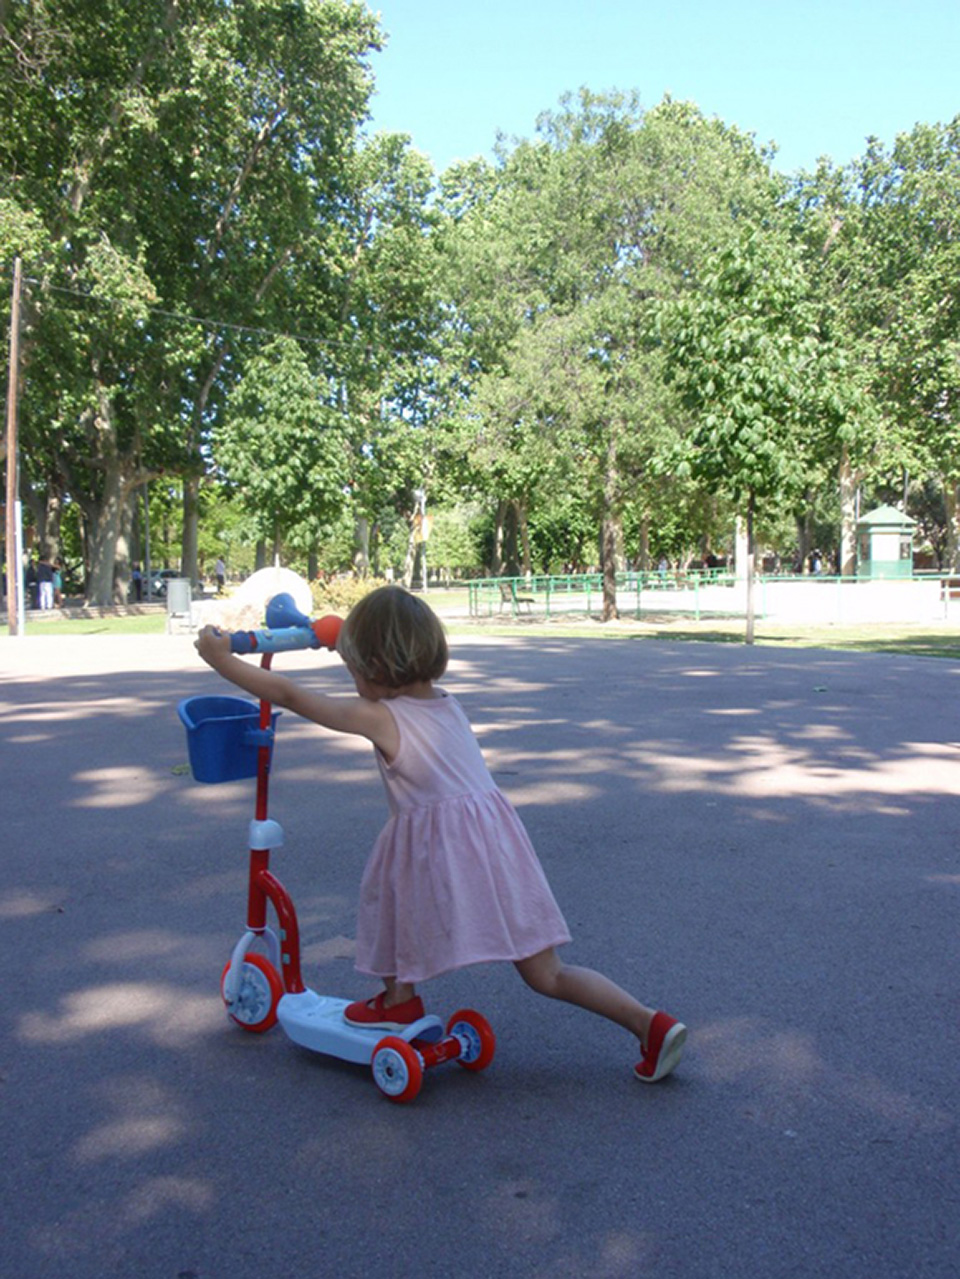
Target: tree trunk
[523, 532]
[189, 566]
[496, 566]
[848, 517]
[804, 541]
[510, 549]
[103, 525]
[950, 497]
[47, 509]
[103, 511]
[609, 548]
[751, 574]
[361, 554]
[410, 559]
[610, 532]
[741, 549]
[506, 561]
[122, 556]
[189, 551]
[643, 550]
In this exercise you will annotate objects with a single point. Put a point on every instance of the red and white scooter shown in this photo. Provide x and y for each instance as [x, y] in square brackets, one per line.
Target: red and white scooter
[231, 738]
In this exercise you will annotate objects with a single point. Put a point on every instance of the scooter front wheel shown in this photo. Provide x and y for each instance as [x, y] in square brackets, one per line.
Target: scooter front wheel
[397, 1069]
[255, 1007]
[474, 1031]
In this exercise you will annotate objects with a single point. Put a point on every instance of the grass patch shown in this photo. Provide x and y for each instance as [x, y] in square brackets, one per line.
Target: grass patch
[147, 624]
[915, 640]
[920, 639]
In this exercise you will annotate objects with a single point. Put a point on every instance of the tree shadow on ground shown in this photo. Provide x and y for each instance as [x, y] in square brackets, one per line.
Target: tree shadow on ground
[762, 839]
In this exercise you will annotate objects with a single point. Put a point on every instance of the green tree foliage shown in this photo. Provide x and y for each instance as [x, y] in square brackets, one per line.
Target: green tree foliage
[761, 382]
[185, 181]
[184, 158]
[283, 448]
[582, 231]
[888, 267]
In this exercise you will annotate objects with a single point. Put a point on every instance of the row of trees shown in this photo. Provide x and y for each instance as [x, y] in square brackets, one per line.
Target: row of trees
[612, 341]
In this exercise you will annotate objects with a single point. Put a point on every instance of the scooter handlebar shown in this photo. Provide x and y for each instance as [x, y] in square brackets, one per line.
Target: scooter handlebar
[287, 629]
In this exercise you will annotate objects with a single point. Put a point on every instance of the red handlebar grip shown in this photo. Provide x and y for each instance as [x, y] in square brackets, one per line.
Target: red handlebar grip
[327, 630]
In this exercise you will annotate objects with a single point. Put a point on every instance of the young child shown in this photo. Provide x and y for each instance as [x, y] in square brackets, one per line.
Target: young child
[453, 878]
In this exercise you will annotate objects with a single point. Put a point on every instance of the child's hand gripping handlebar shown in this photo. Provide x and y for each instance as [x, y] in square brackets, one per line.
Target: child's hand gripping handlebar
[286, 629]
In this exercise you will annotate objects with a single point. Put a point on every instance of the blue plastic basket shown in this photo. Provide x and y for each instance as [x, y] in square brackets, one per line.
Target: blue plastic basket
[224, 737]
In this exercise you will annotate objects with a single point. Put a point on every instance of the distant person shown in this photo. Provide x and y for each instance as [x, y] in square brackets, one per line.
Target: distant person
[44, 583]
[220, 571]
[136, 581]
[58, 582]
[30, 584]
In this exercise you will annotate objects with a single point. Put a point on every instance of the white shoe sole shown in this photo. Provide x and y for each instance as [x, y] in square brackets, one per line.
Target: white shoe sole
[671, 1050]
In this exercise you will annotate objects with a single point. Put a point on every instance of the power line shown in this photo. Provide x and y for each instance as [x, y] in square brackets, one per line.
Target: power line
[187, 319]
[177, 317]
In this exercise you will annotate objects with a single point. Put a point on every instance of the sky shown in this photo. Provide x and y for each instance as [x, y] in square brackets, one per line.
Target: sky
[817, 77]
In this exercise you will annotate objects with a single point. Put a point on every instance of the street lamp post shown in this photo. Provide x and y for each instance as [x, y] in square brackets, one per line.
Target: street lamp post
[14, 523]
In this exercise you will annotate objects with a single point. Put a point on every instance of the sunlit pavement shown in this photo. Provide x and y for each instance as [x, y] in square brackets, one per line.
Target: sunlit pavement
[761, 841]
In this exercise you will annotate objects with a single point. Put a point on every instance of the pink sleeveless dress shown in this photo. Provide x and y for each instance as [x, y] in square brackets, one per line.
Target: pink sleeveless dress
[453, 878]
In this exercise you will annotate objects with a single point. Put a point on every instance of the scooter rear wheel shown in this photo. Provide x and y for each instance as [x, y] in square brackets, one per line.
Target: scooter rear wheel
[255, 1008]
[397, 1070]
[474, 1030]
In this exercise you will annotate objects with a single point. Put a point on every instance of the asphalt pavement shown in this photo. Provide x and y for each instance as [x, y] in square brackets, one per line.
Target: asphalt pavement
[761, 841]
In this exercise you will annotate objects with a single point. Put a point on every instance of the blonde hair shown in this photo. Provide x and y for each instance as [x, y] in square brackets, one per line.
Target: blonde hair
[393, 638]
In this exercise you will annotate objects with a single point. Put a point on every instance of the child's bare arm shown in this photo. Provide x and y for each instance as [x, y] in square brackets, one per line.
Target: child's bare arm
[355, 715]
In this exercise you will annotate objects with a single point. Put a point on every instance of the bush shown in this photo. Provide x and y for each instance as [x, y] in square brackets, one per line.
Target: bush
[341, 593]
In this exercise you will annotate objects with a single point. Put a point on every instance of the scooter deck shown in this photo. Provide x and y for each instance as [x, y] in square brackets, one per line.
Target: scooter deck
[316, 1022]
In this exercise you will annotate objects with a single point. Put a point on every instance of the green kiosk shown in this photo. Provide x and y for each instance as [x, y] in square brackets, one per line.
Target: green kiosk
[885, 544]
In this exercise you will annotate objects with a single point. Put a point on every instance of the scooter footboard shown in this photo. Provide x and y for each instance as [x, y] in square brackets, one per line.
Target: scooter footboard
[316, 1022]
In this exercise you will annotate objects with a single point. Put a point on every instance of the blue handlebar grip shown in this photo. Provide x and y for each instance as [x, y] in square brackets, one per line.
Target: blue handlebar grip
[269, 640]
[242, 642]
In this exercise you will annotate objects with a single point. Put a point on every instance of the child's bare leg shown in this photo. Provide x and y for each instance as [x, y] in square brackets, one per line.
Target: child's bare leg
[397, 992]
[546, 974]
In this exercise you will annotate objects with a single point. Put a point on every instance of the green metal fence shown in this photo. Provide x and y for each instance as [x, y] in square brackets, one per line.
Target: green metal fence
[546, 595]
[717, 594]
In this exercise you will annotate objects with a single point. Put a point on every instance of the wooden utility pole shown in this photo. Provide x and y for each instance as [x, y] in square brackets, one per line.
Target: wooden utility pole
[13, 535]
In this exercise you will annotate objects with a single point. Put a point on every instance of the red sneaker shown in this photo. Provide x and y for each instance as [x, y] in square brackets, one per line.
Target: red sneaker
[665, 1042]
[372, 1015]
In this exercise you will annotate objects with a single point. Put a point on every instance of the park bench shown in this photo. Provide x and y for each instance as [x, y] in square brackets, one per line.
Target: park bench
[508, 595]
